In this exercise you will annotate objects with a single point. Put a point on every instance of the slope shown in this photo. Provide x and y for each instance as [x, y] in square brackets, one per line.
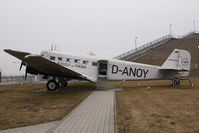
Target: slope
[159, 55]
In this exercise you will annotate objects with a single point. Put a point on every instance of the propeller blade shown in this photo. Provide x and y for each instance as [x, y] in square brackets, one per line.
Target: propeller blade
[21, 66]
[26, 75]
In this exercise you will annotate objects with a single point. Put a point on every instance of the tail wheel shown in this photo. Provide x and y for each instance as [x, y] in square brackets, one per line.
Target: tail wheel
[175, 82]
[52, 85]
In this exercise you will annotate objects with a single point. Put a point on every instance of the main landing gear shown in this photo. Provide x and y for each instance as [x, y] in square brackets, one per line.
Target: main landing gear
[52, 85]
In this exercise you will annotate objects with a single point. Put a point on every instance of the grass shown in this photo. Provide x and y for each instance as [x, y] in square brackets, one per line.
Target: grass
[30, 104]
[161, 109]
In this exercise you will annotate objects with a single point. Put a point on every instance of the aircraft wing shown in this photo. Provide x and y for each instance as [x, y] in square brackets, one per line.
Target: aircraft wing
[46, 66]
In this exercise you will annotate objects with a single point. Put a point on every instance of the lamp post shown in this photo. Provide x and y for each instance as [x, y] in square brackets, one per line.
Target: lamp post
[194, 21]
[170, 29]
[136, 43]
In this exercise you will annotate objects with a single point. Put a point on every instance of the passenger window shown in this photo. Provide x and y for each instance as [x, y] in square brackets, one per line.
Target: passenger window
[52, 57]
[77, 61]
[60, 58]
[94, 63]
[68, 60]
[85, 62]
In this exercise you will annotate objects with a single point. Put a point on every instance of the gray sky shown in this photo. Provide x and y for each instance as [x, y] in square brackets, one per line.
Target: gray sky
[105, 27]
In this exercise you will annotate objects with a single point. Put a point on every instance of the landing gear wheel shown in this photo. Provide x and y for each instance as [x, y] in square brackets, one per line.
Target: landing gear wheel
[63, 84]
[177, 82]
[52, 85]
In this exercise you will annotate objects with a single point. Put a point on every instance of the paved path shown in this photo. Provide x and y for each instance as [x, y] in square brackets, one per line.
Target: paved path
[41, 128]
[94, 115]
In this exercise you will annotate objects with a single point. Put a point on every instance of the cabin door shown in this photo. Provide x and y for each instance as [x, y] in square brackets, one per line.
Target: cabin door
[102, 78]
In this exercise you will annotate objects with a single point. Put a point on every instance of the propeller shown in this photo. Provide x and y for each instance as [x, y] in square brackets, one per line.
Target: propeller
[26, 74]
[22, 64]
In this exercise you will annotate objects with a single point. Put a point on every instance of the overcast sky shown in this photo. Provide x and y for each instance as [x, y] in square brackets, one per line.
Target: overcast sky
[105, 27]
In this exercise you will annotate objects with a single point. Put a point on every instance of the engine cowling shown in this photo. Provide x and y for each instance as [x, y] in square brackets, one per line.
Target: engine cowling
[32, 70]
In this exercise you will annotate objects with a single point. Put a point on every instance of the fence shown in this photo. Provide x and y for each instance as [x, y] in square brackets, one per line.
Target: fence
[21, 79]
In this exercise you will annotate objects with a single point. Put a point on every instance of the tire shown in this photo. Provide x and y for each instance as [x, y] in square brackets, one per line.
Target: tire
[52, 85]
[63, 84]
[178, 82]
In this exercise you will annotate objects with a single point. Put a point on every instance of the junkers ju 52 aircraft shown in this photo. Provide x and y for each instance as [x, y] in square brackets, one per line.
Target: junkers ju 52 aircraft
[59, 67]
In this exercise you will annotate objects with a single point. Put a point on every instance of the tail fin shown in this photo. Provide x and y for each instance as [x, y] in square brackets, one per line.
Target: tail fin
[178, 60]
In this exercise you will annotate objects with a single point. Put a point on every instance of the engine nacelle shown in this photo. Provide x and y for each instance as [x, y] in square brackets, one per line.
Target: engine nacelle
[32, 70]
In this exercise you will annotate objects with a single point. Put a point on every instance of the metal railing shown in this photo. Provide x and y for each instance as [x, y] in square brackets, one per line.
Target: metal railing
[184, 35]
[151, 45]
[141, 49]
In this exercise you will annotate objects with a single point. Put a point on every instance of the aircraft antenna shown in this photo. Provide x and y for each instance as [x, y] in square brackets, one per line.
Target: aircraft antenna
[136, 43]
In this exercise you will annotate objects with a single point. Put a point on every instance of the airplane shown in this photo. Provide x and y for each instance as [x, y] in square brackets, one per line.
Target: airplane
[59, 67]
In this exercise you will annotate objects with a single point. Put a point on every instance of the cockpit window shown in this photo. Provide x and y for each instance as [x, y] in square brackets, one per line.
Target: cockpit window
[52, 57]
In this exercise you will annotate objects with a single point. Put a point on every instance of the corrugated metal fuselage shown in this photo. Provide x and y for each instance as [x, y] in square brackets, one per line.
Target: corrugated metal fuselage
[116, 69]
